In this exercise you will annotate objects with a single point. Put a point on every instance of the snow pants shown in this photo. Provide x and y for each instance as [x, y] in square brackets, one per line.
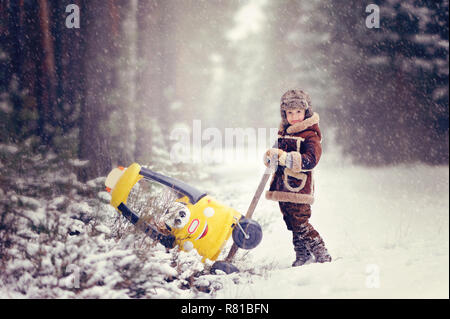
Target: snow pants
[296, 216]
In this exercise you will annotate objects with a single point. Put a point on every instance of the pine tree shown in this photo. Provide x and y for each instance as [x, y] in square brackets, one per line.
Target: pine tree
[393, 79]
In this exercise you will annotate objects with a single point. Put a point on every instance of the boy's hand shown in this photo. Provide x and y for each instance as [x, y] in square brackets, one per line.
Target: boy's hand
[274, 156]
[289, 161]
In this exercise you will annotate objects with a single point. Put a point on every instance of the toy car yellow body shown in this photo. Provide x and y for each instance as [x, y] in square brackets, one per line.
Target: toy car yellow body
[209, 227]
[197, 221]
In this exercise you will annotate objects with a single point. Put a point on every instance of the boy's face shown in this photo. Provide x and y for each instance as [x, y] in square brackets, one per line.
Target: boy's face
[295, 116]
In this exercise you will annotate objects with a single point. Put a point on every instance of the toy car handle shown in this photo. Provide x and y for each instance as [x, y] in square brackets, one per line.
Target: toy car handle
[166, 240]
[192, 193]
[269, 170]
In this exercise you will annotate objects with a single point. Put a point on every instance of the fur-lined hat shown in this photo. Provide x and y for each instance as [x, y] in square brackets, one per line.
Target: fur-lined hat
[295, 99]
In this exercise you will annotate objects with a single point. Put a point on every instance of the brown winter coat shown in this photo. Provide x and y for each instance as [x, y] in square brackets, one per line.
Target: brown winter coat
[303, 141]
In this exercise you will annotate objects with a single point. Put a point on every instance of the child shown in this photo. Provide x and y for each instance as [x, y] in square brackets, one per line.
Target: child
[297, 153]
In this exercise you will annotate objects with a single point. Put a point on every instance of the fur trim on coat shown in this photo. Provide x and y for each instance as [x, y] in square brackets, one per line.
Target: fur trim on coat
[303, 141]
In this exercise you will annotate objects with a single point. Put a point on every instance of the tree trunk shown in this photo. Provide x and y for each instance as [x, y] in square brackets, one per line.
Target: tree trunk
[124, 117]
[145, 95]
[99, 81]
[48, 77]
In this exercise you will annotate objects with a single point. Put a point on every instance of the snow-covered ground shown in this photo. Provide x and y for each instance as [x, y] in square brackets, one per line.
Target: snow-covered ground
[387, 229]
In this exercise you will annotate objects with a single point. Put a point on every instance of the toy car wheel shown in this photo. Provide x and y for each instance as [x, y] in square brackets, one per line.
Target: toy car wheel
[224, 266]
[248, 235]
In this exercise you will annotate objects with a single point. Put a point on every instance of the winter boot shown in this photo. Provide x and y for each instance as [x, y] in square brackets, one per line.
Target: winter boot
[317, 247]
[314, 243]
[302, 255]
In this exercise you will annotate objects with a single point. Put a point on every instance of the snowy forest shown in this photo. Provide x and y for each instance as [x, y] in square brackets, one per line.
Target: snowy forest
[86, 86]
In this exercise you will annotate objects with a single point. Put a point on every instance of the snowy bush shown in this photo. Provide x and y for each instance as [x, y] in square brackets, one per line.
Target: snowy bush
[59, 238]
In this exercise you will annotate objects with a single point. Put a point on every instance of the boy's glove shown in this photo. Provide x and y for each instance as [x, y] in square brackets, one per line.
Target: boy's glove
[294, 161]
[289, 161]
[276, 155]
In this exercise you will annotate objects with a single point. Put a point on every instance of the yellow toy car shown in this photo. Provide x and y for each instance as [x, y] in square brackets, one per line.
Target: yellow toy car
[196, 220]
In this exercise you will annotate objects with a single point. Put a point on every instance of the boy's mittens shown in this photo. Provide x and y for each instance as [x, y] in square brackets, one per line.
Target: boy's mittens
[294, 161]
[282, 159]
[288, 161]
[274, 154]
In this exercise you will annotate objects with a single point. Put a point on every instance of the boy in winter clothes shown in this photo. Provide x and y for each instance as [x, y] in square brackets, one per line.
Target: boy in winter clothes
[292, 185]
